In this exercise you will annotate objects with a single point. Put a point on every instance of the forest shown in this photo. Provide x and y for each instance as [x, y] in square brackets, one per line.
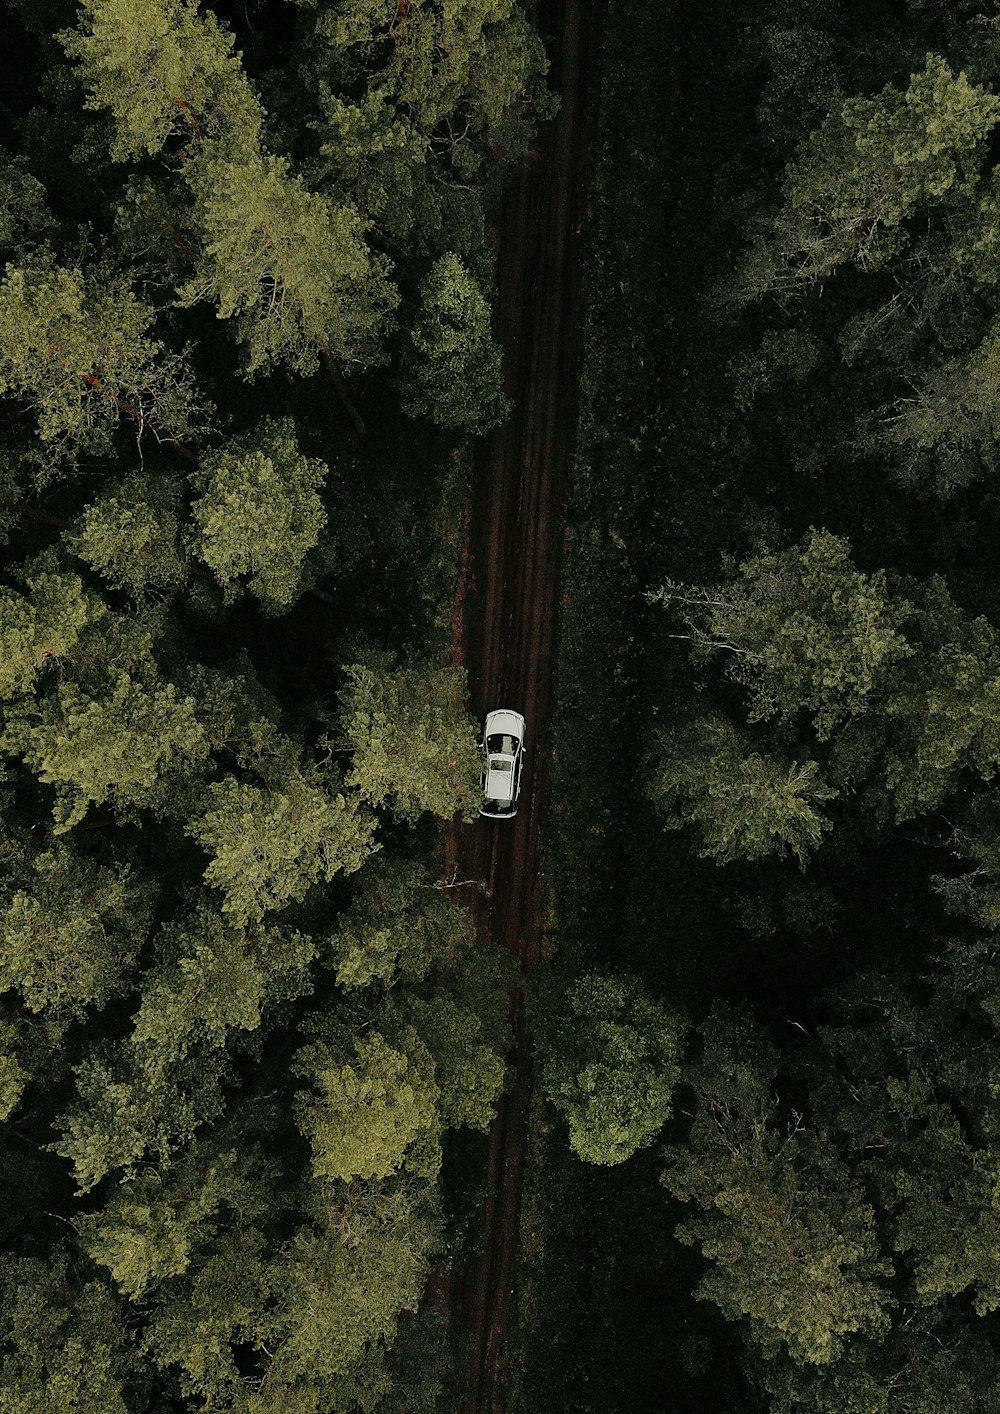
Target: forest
[249, 1040]
[770, 1024]
[245, 336]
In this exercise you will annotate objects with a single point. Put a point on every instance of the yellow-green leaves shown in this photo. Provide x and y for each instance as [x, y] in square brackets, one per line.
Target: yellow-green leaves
[70, 942]
[39, 628]
[865, 171]
[131, 535]
[288, 264]
[77, 348]
[165, 69]
[780, 1216]
[398, 926]
[259, 513]
[610, 1056]
[114, 748]
[372, 1112]
[800, 630]
[269, 846]
[745, 804]
[414, 745]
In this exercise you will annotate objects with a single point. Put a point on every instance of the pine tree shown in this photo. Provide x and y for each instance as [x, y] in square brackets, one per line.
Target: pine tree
[452, 369]
[610, 1062]
[269, 846]
[76, 346]
[165, 70]
[414, 746]
[259, 513]
[289, 265]
[745, 805]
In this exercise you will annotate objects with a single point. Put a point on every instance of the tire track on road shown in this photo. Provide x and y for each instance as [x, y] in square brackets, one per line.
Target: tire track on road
[506, 619]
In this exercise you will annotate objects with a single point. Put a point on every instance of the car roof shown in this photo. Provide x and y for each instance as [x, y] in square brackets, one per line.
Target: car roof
[500, 784]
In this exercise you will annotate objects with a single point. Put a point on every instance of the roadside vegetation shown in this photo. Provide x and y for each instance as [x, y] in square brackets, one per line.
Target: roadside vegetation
[247, 1044]
[778, 730]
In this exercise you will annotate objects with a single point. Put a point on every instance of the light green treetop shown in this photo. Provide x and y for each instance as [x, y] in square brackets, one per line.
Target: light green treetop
[154, 1222]
[39, 628]
[398, 926]
[215, 978]
[745, 805]
[414, 745]
[164, 69]
[259, 513]
[116, 748]
[269, 846]
[866, 170]
[373, 1111]
[70, 940]
[134, 1107]
[130, 534]
[452, 369]
[290, 265]
[77, 348]
[800, 629]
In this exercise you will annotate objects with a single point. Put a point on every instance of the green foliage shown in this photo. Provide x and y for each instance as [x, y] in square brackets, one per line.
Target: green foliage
[414, 746]
[371, 1112]
[214, 979]
[780, 1215]
[127, 1111]
[610, 1062]
[260, 513]
[118, 749]
[24, 212]
[947, 712]
[64, 1343]
[176, 840]
[154, 1223]
[398, 926]
[866, 171]
[802, 630]
[38, 629]
[289, 265]
[745, 805]
[269, 846]
[927, 1367]
[467, 1070]
[164, 70]
[13, 1076]
[71, 941]
[130, 535]
[76, 347]
[464, 75]
[452, 374]
[315, 1313]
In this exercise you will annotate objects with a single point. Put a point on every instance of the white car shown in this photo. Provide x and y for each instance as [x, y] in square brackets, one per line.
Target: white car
[503, 756]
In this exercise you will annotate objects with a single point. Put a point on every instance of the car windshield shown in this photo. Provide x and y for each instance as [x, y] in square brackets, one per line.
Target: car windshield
[502, 745]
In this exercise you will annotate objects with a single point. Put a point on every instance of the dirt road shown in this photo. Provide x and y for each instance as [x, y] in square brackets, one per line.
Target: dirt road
[507, 615]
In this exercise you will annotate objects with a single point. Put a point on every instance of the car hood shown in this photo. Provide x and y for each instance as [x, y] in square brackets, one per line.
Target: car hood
[503, 723]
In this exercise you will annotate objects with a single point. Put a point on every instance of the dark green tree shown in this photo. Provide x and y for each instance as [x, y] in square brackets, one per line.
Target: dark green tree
[413, 744]
[451, 372]
[610, 1061]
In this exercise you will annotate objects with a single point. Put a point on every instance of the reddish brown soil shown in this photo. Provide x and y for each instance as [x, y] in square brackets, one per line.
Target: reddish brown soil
[506, 623]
